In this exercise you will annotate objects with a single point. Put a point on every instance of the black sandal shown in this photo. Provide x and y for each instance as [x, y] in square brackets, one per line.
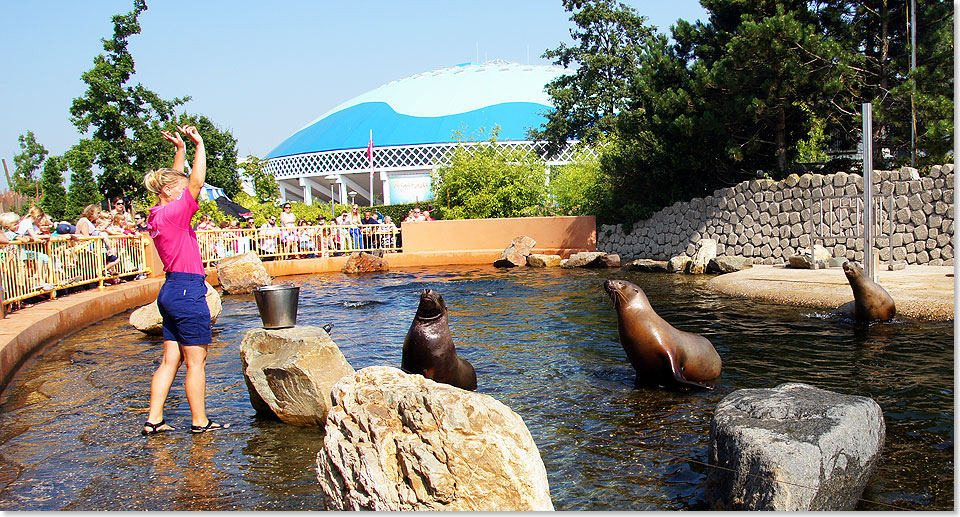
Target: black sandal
[154, 428]
[211, 426]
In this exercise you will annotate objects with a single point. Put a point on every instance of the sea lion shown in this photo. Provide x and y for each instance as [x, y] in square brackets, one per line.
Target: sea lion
[661, 354]
[428, 348]
[870, 301]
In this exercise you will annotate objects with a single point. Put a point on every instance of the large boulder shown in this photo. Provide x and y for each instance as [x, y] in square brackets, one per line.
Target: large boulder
[729, 264]
[793, 447]
[706, 251]
[539, 260]
[289, 373]
[678, 264]
[585, 259]
[147, 319]
[516, 253]
[803, 260]
[243, 273]
[395, 441]
[647, 266]
[365, 263]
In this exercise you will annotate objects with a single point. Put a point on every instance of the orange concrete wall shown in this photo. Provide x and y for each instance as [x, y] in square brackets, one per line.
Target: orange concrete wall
[573, 234]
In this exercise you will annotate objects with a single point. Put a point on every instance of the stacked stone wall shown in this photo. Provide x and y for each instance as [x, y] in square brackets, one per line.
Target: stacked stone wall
[770, 221]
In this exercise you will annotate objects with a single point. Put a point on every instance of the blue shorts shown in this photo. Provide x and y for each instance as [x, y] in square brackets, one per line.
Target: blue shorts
[183, 306]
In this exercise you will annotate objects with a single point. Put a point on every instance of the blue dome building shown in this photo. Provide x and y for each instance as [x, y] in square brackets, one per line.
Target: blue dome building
[413, 124]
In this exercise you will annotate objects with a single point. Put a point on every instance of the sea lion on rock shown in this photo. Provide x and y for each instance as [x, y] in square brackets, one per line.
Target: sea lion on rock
[870, 301]
[428, 349]
[661, 354]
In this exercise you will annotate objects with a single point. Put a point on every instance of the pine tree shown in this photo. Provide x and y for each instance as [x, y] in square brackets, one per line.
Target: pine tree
[54, 195]
[83, 186]
[26, 164]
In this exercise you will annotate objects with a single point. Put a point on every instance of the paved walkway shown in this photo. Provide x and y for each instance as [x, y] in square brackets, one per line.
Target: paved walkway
[922, 292]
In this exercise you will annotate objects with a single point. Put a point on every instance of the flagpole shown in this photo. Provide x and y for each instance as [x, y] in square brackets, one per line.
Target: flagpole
[370, 156]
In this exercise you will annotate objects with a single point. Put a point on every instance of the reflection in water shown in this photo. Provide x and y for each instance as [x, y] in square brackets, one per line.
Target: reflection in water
[544, 342]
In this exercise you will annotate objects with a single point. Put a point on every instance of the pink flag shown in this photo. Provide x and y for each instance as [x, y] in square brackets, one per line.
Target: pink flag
[370, 147]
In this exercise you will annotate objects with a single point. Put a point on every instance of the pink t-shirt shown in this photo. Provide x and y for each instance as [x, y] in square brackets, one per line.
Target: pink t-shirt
[175, 239]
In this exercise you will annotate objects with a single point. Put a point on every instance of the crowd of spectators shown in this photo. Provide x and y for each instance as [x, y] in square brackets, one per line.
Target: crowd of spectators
[288, 236]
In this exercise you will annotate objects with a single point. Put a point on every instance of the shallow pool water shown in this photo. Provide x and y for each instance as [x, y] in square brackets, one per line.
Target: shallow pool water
[543, 341]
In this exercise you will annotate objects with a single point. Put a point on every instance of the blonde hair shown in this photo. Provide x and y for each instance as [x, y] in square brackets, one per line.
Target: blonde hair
[89, 212]
[156, 180]
[35, 213]
[8, 218]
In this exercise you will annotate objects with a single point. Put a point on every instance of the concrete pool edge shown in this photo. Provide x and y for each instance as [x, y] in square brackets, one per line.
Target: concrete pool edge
[921, 292]
[28, 330]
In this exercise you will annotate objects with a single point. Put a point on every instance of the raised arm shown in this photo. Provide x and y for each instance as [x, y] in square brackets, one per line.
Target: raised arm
[198, 173]
[181, 157]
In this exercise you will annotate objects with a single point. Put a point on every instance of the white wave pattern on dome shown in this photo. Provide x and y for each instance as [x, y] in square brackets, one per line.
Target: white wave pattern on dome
[460, 88]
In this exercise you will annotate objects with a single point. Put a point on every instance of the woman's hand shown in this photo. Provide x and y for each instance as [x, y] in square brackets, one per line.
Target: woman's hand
[192, 133]
[174, 138]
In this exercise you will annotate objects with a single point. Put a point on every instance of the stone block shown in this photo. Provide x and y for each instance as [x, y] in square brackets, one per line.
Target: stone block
[541, 260]
[515, 254]
[241, 274]
[289, 373]
[401, 442]
[792, 448]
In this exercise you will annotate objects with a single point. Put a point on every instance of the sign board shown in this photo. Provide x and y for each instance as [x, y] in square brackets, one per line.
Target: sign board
[409, 188]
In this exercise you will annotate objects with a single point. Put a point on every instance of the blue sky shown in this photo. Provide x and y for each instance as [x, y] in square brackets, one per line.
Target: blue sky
[263, 69]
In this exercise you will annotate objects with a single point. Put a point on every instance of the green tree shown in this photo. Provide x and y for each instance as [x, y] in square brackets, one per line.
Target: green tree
[264, 184]
[610, 37]
[27, 163]
[485, 181]
[220, 147]
[120, 115]
[54, 195]
[83, 186]
[579, 187]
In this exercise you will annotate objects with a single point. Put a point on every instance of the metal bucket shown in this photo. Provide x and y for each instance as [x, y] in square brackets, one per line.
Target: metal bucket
[277, 305]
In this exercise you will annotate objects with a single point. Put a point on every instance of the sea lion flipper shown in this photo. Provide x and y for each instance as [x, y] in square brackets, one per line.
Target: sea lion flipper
[682, 381]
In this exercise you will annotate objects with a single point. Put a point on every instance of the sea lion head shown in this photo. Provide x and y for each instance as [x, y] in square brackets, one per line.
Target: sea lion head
[625, 293]
[431, 305]
[852, 270]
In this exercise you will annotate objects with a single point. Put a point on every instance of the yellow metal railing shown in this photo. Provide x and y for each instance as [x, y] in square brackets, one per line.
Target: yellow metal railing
[29, 269]
[297, 241]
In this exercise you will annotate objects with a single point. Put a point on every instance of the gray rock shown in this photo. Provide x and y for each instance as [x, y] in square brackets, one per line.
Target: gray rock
[678, 264]
[516, 252]
[729, 264]
[706, 251]
[793, 447]
[647, 266]
[395, 441]
[585, 259]
[289, 373]
[241, 274]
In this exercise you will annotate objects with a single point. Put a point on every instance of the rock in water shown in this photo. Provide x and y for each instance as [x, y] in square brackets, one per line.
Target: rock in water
[539, 260]
[794, 447]
[516, 253]
[241, 274]
[706, 251]
[147, 319]
[395, 441]
[585, 259]
[647, 266]
[729, 264]
[365, 263]
[289, 372]
[678, 264]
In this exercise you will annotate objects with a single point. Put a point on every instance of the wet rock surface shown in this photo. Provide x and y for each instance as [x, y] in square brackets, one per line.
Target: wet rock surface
[395, 441]
[793, 447]
[289, 373]
[241, 274]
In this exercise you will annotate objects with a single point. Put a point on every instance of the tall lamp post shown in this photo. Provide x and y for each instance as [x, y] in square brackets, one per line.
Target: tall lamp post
[331, 178]
[352, 195]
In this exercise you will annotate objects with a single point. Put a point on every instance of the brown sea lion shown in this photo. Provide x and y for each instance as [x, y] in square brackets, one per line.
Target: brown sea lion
[661, 354]
[428, 349]
[870, 301]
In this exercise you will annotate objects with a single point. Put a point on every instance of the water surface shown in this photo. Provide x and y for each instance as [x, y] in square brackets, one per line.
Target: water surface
[543, 341]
